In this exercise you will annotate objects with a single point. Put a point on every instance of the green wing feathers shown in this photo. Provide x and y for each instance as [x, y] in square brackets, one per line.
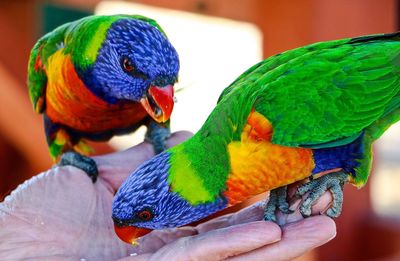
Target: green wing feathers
[325, 94]
[259, 70]
[318, 96]
[330, 95]
[40, 53]
[37, 78]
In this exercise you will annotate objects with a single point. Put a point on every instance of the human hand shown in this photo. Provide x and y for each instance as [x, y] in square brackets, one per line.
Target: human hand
[239, 236]
[61, 215]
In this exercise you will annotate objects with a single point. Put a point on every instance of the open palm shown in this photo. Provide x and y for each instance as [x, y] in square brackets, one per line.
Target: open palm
[61, 215]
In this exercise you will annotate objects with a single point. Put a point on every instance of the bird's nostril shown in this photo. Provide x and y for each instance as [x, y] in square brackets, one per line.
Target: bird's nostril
[159, 82]
[163, 81]
[117, 221]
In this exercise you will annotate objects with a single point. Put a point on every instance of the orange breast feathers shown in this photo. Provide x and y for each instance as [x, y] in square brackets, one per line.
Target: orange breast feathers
[257, 165]
[71, 103]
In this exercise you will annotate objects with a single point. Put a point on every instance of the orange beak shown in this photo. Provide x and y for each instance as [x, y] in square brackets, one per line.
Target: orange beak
[159, 102]
[130, 234]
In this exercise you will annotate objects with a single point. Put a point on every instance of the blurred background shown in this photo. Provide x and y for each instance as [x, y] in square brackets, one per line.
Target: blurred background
[216, 41]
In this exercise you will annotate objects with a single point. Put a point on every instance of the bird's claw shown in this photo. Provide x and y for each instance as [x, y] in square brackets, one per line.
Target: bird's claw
[79, 161]
[333, 182]
[157, 135]
[277, 200]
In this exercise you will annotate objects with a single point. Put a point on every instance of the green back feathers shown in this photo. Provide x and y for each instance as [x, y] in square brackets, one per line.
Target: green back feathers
[260, 69]
[81, 39]
[328, 97]
[332, 94]
[317, 96]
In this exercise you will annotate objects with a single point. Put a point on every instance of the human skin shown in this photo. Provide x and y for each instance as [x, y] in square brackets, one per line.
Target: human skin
[61, 215]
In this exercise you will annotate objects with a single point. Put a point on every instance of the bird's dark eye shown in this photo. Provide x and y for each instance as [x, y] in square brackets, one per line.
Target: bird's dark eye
[130, 69]
[127, 65]
[145, 215]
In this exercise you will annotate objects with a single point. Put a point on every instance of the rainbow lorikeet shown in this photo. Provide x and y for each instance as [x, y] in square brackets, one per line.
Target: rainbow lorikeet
[101, 76]
[312, 112]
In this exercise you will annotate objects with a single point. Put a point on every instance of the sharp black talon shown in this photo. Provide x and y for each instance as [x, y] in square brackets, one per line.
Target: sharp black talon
[79, 161]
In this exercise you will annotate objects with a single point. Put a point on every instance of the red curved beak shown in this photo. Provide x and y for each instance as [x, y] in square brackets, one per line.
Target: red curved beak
[130, 234]
[159, 102]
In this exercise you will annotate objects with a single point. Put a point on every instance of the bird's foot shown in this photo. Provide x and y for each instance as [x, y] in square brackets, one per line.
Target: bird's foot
[277, 200]
[81, 162]
[333, 182]
[157, 135]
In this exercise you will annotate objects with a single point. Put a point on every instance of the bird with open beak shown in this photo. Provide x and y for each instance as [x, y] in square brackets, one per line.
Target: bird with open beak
[102, 76]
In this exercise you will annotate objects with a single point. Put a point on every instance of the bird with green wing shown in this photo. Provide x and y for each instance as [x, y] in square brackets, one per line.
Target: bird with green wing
[311, 114]
[102, 76]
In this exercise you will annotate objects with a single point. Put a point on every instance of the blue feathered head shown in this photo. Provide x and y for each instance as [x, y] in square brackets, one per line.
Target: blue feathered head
[145, 201]
[136, 62]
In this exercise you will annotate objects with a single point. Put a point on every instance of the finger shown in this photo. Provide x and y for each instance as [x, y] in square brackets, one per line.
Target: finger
[255, 212]
[159, 238]
[222, 243]
[123, 163]
[298, 238]
[246, 215]
[249, 214]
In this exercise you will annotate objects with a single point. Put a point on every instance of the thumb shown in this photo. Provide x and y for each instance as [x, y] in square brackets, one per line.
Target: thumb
[219, 244]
